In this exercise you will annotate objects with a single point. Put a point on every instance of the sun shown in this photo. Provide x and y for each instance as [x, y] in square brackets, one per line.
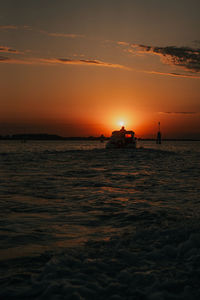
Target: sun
[121, 123]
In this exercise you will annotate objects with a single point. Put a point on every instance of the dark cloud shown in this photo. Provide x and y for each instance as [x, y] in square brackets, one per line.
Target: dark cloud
[91, 61]
[86, 61]
[7, 50]
[185, 57]
[9, 60]
[179, 112]
[144, 47]
[3, 58]
[83, 62]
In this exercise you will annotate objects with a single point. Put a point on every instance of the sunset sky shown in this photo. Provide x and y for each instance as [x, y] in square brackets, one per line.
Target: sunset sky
[79, 67]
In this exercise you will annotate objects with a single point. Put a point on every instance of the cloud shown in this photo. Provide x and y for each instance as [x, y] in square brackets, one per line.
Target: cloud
[64, 61]
[5, 27]
[179, 112]
[9, 60]
[53, 34]
[8, 50]
[173, 74]
[3, 59]
[85, 62]
[15, 27]
[65, 35]
[184, 57]
[123, 43]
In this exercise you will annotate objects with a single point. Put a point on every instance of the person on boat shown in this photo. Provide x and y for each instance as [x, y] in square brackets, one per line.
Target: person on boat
[122, 135]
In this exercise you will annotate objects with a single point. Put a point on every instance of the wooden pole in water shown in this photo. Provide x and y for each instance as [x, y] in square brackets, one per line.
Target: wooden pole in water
[158, 140]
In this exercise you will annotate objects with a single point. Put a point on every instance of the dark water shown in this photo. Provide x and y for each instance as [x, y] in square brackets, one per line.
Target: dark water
[58, 198]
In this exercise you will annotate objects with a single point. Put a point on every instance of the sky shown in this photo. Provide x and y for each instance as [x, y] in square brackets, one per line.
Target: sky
[79, 68]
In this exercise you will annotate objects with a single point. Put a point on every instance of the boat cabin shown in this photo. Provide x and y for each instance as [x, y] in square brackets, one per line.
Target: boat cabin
[122, 138]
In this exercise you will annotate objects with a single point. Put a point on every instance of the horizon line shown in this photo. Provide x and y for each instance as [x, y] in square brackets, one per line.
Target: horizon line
[48, 136]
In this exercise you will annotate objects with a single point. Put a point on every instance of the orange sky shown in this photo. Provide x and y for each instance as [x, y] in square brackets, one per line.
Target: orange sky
[77, 69]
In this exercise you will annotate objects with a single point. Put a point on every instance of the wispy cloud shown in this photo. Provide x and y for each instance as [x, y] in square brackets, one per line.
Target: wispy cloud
[5, 27]
[5, 49]
[10, 60]
[123, 43]
[53, 34]
[61, 61]
[66, 35]
[60, 34]
[173, 74]
[15, 27]
[179, 112]
[86, 62]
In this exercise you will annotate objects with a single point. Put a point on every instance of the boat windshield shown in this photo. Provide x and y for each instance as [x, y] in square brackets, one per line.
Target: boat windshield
[128, 135]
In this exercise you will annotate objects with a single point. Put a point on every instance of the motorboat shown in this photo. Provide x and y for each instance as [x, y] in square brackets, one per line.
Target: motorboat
[122, 139]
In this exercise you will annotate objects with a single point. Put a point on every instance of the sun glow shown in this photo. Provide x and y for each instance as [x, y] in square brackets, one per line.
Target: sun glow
[121, 123]
[115, 119]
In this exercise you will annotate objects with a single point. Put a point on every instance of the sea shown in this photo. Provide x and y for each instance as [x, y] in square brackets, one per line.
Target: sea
[79, 221]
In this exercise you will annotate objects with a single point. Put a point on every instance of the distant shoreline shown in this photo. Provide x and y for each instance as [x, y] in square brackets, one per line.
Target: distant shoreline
[52, 137]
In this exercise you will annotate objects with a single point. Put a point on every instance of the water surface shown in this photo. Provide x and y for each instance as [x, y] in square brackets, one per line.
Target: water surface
[58, 195]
